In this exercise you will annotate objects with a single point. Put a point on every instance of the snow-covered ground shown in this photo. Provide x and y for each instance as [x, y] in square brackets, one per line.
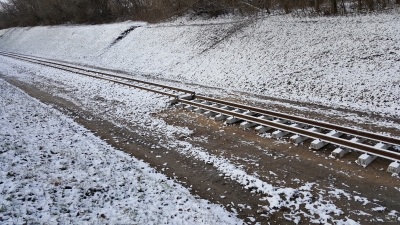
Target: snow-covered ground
[54, 171]
[350, 62]
[47, 156]
[53, 168]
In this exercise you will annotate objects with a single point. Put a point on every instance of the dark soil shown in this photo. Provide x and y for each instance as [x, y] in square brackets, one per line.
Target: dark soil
[242, 147]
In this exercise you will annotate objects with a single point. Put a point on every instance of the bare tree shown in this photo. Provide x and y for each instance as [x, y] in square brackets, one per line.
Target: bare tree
[43, 12]
[370, 4]
[359, 6]
[316, 6]
[334, 8]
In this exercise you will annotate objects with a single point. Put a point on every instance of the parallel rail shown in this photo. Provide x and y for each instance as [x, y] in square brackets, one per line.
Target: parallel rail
[346, 130]
[392, 155]
[178, 93]
[85, 71]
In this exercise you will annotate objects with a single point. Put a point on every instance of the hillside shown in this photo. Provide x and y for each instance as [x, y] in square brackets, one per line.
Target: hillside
[80, 150]
[343, 62]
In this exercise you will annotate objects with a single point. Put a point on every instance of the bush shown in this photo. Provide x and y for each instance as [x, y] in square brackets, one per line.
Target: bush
[51, 12]
[210, 9]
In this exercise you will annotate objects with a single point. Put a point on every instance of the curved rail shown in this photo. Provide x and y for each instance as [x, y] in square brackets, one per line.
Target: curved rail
[395, 156]
[392, 155]
[346, 130]
[78, 71]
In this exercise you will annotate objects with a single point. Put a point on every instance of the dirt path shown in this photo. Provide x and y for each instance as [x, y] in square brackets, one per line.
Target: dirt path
[277, 162]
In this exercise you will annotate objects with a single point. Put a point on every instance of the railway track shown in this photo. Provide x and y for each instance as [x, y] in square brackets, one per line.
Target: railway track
[128, 81]
[371, 145]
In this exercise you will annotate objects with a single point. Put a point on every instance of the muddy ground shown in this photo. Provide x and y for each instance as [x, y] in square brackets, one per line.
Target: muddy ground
[256, 154]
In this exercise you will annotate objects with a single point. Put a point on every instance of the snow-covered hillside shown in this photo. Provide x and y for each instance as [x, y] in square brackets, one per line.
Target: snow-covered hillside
[44, 151]
[351, 62]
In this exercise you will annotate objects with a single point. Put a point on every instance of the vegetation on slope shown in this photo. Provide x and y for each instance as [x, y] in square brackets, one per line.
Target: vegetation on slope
[51, 12]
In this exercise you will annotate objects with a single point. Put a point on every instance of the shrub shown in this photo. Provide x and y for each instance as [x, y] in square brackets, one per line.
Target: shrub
[50, 12]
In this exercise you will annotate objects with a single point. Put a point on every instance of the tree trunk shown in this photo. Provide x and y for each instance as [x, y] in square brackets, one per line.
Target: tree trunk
[316, 6]
[370, 4]
[334, 6]
[343, 6]
[398, 2]
[267, 8]
[359, 5]
[383, 4]
[286, 8]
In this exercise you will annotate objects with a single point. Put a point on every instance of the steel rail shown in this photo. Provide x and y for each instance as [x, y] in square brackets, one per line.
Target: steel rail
[395, 156]
[101, 78]
[392, 155]
[346, 130]
[99, 72]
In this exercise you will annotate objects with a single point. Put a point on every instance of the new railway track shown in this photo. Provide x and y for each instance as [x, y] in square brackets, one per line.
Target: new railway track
[347, 139]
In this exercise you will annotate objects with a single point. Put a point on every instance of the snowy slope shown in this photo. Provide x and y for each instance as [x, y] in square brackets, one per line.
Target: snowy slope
[350, 62]
[76, 165]
[19, 122]
[114, 102]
